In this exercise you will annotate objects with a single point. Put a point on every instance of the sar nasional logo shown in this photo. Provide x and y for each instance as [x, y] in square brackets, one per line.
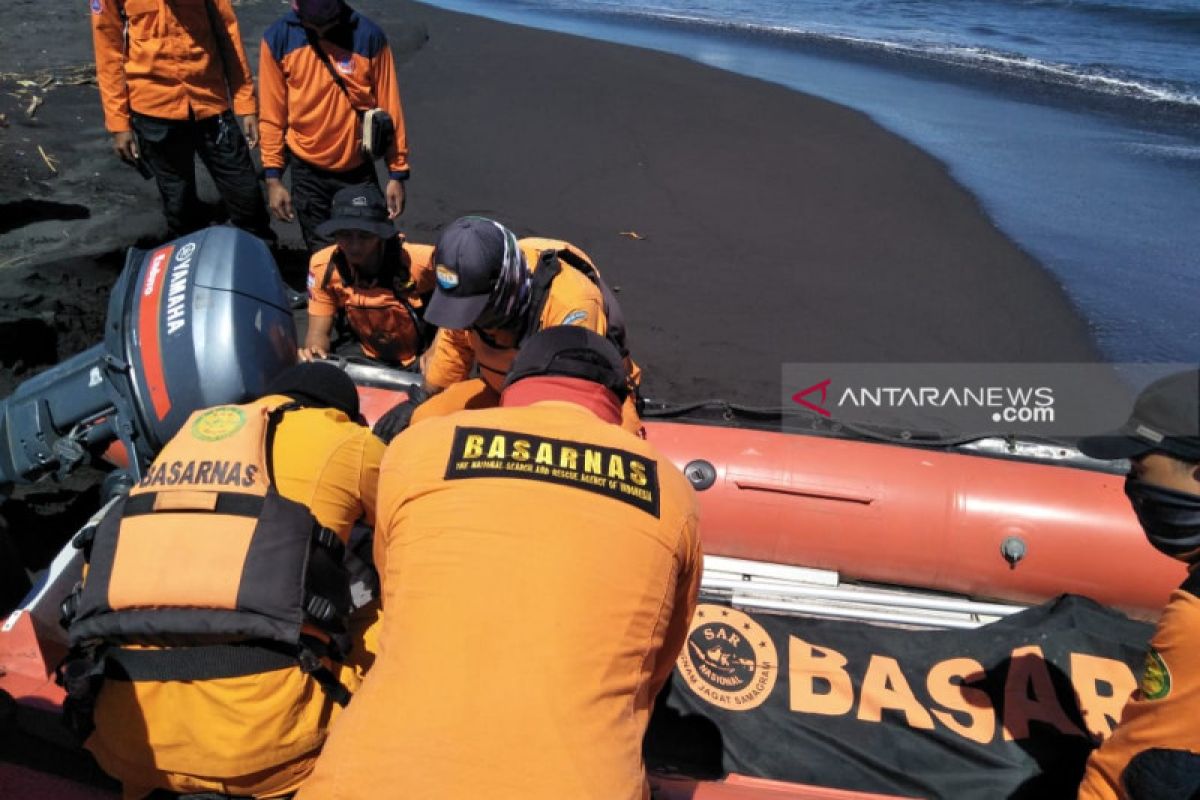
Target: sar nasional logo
[729, 660]
[218, 423]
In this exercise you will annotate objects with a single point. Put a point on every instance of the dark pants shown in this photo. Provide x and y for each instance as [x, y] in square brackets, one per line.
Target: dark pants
[169, 148]
[313, 189]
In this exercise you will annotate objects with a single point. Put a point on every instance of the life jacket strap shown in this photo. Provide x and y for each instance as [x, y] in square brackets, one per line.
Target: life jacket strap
[230, 503]
[196, 663]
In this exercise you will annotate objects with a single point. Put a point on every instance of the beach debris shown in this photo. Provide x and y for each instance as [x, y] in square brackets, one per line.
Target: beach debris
[33, 106]
[632, 235]
[50, 160]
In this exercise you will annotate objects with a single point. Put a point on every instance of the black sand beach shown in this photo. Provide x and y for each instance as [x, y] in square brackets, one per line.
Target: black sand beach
[773, 226]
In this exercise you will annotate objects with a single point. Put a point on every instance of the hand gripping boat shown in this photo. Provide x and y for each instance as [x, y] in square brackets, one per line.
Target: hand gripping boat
[854, 534]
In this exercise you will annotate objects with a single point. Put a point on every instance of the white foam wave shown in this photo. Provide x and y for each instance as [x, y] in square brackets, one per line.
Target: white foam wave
[1095, 80]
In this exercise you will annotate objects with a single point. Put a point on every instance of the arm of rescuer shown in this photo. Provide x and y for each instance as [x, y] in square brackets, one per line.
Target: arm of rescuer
[687, 588]
[447, 361]
[387, 94]
[237, 72]
[272, 124]
[322, 307]
[108, 39]
[1156, 744]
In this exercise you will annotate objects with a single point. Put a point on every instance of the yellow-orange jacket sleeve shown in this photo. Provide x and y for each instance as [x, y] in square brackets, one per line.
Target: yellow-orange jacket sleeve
[691, 568]
[1157, 739]
[237, 68]
[387, 94]
[108, 38]
[322, 299]
[272, 122]
[449, 359]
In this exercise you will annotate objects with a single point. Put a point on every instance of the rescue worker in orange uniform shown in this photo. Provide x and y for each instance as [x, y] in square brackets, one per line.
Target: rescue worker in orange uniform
[240, 718]
[166, 72]
[521, 653]
[1154, 752]
[372, 281]
[493, 292]
[321, 66]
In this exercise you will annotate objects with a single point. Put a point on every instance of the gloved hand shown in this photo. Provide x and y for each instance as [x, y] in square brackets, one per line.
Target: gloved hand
[394, 422]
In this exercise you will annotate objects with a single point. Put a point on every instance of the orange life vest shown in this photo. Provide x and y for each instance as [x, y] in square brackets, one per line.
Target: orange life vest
[205, 571]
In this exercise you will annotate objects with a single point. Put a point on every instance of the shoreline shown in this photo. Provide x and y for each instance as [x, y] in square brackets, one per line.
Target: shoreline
[775, 226]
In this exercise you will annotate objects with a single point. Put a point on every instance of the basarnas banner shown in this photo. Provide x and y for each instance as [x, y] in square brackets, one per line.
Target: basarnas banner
[1008, 710]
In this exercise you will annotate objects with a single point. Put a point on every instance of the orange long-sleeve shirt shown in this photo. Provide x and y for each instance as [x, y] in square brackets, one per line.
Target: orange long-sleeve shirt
[539, 571]
[304, 110]
[1157, 742]
[174, 66]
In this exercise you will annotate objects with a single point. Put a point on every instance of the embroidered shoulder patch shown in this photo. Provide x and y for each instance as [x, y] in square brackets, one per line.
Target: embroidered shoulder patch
[1156, 680]
[97, 6]
[576, 317]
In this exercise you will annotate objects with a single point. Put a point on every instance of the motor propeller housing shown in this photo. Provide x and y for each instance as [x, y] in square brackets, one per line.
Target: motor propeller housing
[195, 322]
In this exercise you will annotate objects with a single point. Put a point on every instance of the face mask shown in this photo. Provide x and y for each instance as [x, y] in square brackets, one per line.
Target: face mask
[1170, 518]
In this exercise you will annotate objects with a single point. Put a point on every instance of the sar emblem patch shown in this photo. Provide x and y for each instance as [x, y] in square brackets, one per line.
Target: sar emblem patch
[97, 6]
[729, 659]
[1156, 680]
[218, 423]
[576, 317]
[446, 277]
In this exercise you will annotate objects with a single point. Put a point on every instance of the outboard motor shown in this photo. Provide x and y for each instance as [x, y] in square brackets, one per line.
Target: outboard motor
[199, 321]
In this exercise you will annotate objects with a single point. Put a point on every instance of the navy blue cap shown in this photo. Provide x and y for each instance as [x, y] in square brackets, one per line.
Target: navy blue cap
[468, 259]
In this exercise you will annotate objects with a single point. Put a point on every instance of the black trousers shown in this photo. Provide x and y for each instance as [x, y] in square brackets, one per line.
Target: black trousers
[313, 189]
[169, 148]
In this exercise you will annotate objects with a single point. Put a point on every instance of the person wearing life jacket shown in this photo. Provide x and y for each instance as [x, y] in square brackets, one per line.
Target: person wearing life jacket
[213, 641]
[166, 73]
[494, 292]
[322, 66]
[371, 281]
[539, 568]
[1154, 752]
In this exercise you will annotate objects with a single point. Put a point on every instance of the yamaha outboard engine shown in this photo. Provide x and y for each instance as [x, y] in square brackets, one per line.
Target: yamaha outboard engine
[199, 321]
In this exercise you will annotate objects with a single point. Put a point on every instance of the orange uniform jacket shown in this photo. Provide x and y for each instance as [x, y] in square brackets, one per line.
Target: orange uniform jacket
[382, 321]
[539, 572]
[303, 108]
[146, 732]
[174, 65]
[1158, 737]
[573, 300]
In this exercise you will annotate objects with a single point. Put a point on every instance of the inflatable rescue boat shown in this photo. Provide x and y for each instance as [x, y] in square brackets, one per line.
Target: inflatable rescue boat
[800, 521]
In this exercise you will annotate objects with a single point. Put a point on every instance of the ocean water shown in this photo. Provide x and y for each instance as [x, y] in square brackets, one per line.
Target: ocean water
[1075, 122]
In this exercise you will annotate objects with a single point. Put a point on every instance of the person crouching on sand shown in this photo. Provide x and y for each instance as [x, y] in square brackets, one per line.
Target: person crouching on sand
[493, 293]
[371, 284]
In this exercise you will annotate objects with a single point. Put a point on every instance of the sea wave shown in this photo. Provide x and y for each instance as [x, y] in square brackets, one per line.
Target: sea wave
[1177, 17]
[1099, 79]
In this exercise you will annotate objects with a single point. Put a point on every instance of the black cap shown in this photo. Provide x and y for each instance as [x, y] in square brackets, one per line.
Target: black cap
[317, 384]
[469, 257]
[572, 352]
[358, 208]
[318, 12]
[1165, 419]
